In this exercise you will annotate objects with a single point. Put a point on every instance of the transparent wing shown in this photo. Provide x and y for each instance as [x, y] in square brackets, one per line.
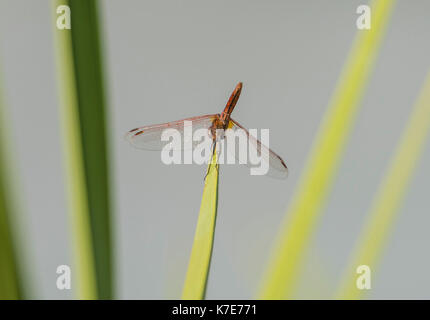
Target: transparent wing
[277, 167]
[149, 137]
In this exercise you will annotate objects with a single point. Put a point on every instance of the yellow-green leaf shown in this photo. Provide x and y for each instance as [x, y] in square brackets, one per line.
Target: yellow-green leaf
[198, 268]
[389, 197]
[315, 184]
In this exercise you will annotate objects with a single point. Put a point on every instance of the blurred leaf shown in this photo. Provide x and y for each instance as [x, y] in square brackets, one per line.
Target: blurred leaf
[322, 164]
[200, 259]
[10, 286]
[85, 146]
[390, 195]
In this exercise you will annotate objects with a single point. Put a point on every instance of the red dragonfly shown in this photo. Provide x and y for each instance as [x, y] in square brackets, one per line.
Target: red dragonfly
[149, 137]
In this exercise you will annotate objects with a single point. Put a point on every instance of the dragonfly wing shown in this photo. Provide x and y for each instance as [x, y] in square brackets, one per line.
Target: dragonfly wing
[277, 167]
[149, 137]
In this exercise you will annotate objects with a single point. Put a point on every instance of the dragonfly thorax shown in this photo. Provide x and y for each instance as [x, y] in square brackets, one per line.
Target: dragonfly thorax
[217, 128]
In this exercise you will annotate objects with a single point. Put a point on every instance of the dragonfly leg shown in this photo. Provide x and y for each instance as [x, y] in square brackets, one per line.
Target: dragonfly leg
[207, 172]
[212, 153]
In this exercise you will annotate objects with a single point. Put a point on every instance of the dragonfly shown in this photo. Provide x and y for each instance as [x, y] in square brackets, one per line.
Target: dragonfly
[149, 137]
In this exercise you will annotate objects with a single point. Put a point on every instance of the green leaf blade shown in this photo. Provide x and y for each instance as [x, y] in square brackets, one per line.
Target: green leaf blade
[84, 115]
[201, 253]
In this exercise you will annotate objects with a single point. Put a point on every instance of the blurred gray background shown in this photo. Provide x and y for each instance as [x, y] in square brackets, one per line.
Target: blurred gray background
[167, 60]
